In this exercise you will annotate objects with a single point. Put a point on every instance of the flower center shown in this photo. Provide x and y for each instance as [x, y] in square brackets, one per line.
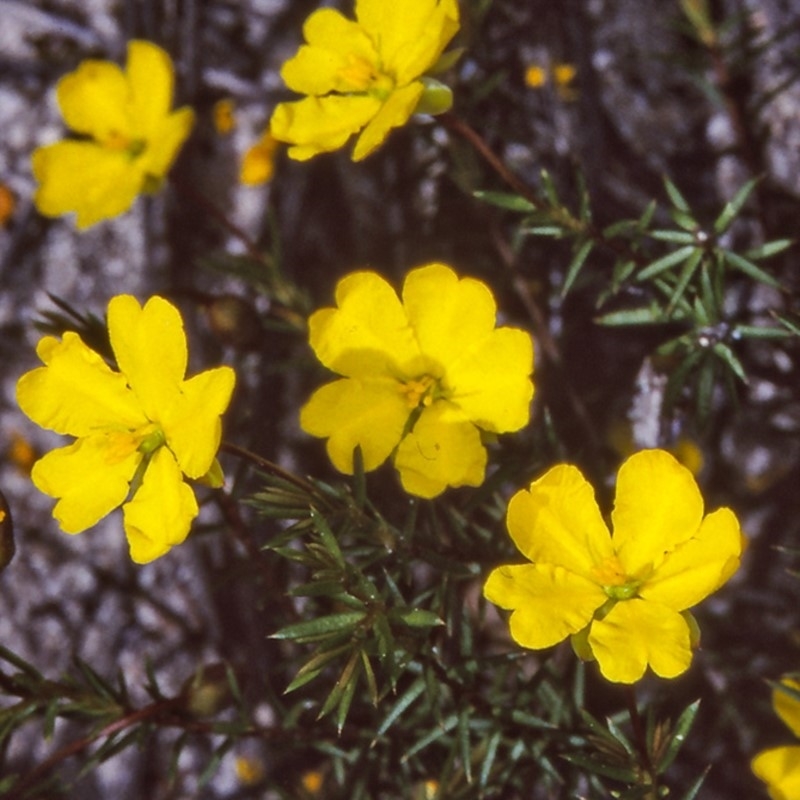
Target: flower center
[121, 444]
[361, 75]
[420, 392]
[358, 72]
[615, 582]
[120, 142]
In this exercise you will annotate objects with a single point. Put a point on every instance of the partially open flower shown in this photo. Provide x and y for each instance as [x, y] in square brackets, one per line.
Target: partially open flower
[138, 431]
[127, 136]
[364, 76]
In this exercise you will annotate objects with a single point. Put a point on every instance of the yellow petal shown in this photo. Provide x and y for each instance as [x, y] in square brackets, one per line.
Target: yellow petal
[192, 424]
[657, 507]
[549, 603]
[787, 706]
[95, 100]
[90, 478]
[352, 412]
[411, 34]
[161, 512]
[779, 768]
[367, 335]
[76, 393]
[700, 566]
[321, 124]
[93, 181]
[150, 81]
[557, 522]
[636, 633]
[339, 56]
[491, 381]
[449, 315]
[258, 164]
[397, 109]
[167, 140]
[440, 452]
[150, 347]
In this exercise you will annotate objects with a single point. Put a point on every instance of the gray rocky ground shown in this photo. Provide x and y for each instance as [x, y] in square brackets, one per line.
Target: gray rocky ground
[639, 114]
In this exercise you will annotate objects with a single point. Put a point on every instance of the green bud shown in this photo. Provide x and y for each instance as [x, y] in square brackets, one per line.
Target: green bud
[436, 99]
[214, 478]
[208, 691]
[580, 644]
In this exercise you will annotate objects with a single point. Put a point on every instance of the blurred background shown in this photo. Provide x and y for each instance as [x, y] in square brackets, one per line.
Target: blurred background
[620, 91]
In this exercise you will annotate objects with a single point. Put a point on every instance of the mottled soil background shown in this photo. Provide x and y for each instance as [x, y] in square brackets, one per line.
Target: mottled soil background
[641, 110]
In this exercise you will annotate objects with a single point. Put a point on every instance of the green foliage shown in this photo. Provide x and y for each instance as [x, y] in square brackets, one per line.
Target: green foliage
[385, 666]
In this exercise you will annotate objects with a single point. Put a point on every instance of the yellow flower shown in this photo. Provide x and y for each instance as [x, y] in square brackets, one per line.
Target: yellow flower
[224, 116]
[365, 74]
[779, 767]
[422, 377]
[624, 599]
[258, 164]
[250, 771]
[562, 76]
[312, 781]
[139, 430]
[127, 141]
[8, 204]
[536, 76]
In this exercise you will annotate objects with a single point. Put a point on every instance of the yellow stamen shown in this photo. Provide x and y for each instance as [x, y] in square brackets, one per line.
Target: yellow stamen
[359, 73]
[417, 391]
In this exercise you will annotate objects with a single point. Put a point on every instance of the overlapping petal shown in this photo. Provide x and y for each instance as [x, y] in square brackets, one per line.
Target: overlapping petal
[76, 392]
[321, 124]
[192, 424]
[779, 768]
[698, 567]
[161, 512]
[636, 633]
[449, 315]
[440, 452]
[163, 148]
[149, 344]
[368, 334]
[412, 33]
[394, 112]
[658, 506]
[549, 602]
[94, 182]
[491, 380]
[558, 522]
[337, 50]
[150, 78]
[90, 478]
[351, 412]
[94, 100]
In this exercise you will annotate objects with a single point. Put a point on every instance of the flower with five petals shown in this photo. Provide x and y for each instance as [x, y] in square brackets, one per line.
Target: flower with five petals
[364, 75]
[779, 767]
[623, 598]
[421, 378]
[138, 431]
[127, 136]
